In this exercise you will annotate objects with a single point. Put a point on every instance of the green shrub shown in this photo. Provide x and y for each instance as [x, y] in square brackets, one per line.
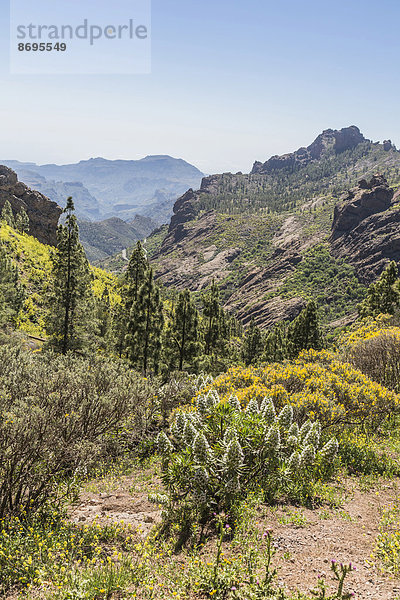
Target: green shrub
[360, 455]
[218, 452]
[59, 416]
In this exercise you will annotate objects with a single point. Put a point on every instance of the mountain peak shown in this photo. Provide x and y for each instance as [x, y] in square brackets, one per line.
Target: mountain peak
[328, 142]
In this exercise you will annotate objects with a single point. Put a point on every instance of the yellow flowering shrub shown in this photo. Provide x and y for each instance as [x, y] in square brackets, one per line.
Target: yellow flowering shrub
[35, 265]
[367, 329]
[318, 386]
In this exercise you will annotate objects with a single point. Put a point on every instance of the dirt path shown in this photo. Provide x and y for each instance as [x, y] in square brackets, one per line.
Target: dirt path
[308, 540]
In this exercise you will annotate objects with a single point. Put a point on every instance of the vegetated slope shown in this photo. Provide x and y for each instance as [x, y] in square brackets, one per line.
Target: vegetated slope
[264, 236]
[34, 265]
[118, 263]
[104, 239]
[116, 188]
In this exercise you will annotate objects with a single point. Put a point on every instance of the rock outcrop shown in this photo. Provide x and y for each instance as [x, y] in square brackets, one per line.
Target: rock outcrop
[368, 198]
[366, 228]
[242, 229]
[329, 141]
[43, 213]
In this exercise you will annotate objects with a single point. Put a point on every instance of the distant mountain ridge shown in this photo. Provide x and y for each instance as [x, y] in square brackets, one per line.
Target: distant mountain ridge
[114, 188]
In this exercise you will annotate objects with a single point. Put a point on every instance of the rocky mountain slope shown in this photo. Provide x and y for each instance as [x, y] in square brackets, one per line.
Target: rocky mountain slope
[114, 188]
[108, 237]
[43, 213]
[266, 236]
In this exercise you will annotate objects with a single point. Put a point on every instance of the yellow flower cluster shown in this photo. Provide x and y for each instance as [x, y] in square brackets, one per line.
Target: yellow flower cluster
[368, 329]
[317, 385]
[35, 266]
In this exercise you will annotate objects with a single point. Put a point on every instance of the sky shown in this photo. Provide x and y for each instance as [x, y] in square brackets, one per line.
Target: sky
[230, 83]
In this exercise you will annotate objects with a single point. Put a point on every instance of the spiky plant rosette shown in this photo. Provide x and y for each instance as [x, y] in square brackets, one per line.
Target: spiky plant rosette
[219, 451]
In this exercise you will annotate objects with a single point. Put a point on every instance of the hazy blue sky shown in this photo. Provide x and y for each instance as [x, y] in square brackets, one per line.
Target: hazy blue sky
[231, 82]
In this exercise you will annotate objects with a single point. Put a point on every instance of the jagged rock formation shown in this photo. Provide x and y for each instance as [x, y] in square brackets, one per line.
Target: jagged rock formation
[254, 233]
[366, 227]
[368, 198]
[43, 214]
[328, 141]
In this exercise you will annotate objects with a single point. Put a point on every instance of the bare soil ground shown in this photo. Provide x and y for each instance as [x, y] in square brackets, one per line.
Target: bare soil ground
[122, 499]
[305, 540]
[308, 540]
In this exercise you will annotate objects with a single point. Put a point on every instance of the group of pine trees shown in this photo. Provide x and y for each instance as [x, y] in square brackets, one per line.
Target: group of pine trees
[157, 332]
[20, 222]
[153, 332]
[285, 340]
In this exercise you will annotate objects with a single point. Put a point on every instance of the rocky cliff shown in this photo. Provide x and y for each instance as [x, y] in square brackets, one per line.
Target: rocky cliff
[366, 227]
[43, 214]
[329, 141]
[290, 230]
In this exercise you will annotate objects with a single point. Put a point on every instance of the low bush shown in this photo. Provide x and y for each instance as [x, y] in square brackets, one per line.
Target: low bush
[373, 347]
[59, 416]
[361, 455]
[218, 452]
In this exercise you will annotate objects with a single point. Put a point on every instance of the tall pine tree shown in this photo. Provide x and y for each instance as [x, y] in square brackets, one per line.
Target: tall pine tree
[211, 318]
[133, 280]
[276, 344]
[252, 344]
[145, 327]
[71, 310]
[304, 332]
[135, 275]
[181, 339]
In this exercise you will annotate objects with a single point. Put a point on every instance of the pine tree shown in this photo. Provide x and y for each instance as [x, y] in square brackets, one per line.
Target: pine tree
[7, 214]
[22, 221]
[276, 344]
[252, 344]
[103, 317]
[120, 321]
[135, 275]
[383, 296]
[145, 326]
[211, 318]
[134, 278]
[182, 333]
[11, 291]
[304, 332]
[71, 310]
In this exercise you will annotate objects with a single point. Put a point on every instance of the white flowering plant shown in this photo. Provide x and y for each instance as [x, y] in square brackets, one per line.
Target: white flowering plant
[217, 452]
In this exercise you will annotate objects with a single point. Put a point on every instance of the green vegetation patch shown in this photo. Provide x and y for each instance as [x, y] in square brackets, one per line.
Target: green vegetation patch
[330, 282]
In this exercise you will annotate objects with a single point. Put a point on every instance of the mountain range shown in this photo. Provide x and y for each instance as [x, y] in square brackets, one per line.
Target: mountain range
[320, 223]
[107, 194]
[113, 188]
